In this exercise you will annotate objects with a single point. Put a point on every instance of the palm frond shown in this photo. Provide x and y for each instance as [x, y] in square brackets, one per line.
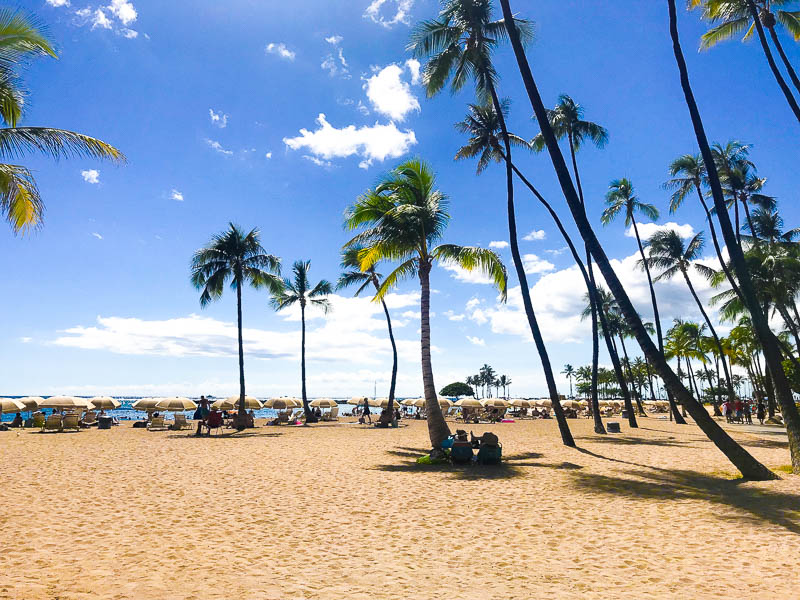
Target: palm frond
[58, 143]
[472, 258]
[407, 269]
[20, 202]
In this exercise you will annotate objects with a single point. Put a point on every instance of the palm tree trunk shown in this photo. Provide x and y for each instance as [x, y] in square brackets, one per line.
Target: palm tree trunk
[611, 345]
[747, 216]
[306, 407]
[438, 431]
[394, 351]
[768, 54]
[769, 344]
[630, 377]
[713, 229]
[790, 324]
[566, 435]
[789, 68]
[738, 226]
[591, 289]
[743, 460]
[242, 410]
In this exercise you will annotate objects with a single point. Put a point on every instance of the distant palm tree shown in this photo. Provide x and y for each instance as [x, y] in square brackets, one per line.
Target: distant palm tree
[488, 379]
[569, 372]
[353, 276]
[401, 220]
[299, 290]
[505, 382]
[21, 38]
[238, 257]
[668, 253]
[735, 16]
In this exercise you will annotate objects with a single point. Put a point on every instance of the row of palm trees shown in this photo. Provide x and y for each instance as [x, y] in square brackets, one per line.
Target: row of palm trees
[485, 379]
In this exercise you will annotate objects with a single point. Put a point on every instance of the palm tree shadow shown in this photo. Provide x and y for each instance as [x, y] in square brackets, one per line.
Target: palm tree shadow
[633, 441]
[227, 435]
[752, 504]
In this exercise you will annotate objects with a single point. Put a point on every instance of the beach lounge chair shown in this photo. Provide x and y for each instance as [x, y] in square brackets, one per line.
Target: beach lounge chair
[180, 422]
[54, 422]
[90, 418]
[71, 421]
[214, 421]
[156, 423]
[38, 420]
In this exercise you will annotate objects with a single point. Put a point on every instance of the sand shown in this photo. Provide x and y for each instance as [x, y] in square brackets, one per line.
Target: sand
[342, 511]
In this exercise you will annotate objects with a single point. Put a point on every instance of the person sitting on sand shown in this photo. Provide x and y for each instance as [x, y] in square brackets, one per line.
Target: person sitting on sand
[250, 419]
[385, 419]
[17, 422]
[545, 413]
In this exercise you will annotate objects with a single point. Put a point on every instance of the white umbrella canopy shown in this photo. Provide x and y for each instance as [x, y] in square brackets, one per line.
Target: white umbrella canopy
[495, 403]
[323, 403]
[358, 400]
[469, 403]
[232, 403]
[520, 403]
[283, 403]
[570, 404]
[176, 404]
[11, 405]
[31, 402]
[105, 403]
[66, 402]
[545, 402]
[146, 404]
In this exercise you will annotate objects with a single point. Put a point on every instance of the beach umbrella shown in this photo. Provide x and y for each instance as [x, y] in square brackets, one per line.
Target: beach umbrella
[570, 404]
[11, 405]
[495, 403]
[145, 404]
[357, 400]
[469, 403]
[105, 403]
[324, 403]
[176, 404]
[31, 402]
[232, 403]
[66, 402]
[545, 402]
[519, 403]
[283, 403]
[407, 401]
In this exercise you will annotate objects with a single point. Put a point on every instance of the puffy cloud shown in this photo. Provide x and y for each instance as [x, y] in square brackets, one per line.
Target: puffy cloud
[535, 235]
[268, 155]
[91, 176]
[499, 245]
[461, 274]
[476, 340]
[389, 94]
[219, 119]
[280, 49]
[99, 19]
[123, 10]
[402, 8]
[413, 66]
[317, 161]
[646, 230]
[58, 3]
[115, 16]
[533, 264]
[176, 195]
[214, 145]
[377, 142]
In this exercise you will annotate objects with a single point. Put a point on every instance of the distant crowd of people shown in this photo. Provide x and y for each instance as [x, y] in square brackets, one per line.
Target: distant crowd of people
[741, 411]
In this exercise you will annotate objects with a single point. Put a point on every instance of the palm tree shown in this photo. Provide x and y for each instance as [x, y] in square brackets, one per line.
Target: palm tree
[299, 290]
[460, 45]
[487, 379]
[401, 220]
[238, 257]
[734, 16]
[569, 372]
[355, 276]
[505, 383]
[743, 460]
[567, 121]
[22, 38]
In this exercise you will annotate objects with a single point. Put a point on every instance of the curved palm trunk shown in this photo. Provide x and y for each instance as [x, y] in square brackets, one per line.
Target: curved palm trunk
[242, 410]
[611, 345]
[638, 399]
[789, 68]
[743, 460]
[598, 421]
[747, 216]
[437, 426]
[394, 351]
[769, 344]
[713, 229]
[566, 435]
[773, 67]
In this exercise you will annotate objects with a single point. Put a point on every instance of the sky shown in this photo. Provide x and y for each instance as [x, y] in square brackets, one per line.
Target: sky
[278, 115]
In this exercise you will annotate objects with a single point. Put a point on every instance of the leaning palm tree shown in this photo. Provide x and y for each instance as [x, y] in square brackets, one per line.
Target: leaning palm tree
[402, 219]
[21, 204]
[668, 253]
[354, 275]
[569, 373]
[238, 257]
[459, 45]
[299, 290]
[742, 459]
[734, 16]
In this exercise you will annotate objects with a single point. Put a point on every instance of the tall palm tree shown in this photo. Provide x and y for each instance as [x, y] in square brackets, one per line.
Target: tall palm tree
[567, 121]
[569, 373]
[743, 460]
[402, 219]
[23, 38]
[236, 257]
[505, 383]
[735, 16]
[299, 290]
[354, 275]
[483, 126]
[460, 45]
[487, 378]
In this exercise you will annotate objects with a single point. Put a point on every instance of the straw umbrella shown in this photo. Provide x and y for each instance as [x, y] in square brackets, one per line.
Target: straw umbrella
[495, 403]
[283, 403]
[176, 404]
[469, 403]
[323, 403]
[146, 404]
[520, 403]
[31, 402]
[544, 402]
[358, 400]
[232, 403]
[11, 405]
[105, 403]
[66, 402]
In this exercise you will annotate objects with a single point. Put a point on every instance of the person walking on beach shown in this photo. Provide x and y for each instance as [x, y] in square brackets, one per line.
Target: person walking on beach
[761, 412]
[366, 414]
[201, 414]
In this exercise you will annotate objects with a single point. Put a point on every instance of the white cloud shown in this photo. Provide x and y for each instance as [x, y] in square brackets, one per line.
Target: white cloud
[58, 3]
[334, 40]
[280, 49]
[646, 230]
[452, 316]
[115, 16]
[176, 195]
[402, 8]
[476, 340]
[336, 65]
[558, 251]
[535, 235]
[123, 10]
[413, 66]
[129, 33]
[99, 19]
[411, 314]
[214, 145]
[219, 119]
[97, 235]
[461, 274]
[91, 176]
[499, 245]
[318, 161]
[377, 142]
[28, 340]
[389, 94]
[534, 264]
[268, 155]
[472, 303]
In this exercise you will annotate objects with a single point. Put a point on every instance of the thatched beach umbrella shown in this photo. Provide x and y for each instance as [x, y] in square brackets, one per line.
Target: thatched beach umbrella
[571, 404]
[469, 403]
[324, 403]
[105, 403]
[66, 402]
[176, 404]
[146, 404]
[358, 400]
[520, 403]
[544, 402]
[283, 403]
[495, 403]
[232, 403]
[31, 402]
[11, 405]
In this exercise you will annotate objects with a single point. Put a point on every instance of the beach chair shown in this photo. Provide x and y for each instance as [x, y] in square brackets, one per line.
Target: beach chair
[71, 421]
[180, 422]
[90, 418]
[332, 415]
[54, 422]
[38, 420]
[214, 421]
[156, 423]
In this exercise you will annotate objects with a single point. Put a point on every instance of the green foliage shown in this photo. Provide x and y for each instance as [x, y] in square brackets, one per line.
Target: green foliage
[792, 374]
[456, 389]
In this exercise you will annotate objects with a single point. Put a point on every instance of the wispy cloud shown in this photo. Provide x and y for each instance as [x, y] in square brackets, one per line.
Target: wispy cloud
[280, 49]
[176, 195]
[219, 119]
[97, 235]
[401, 9]
[216, 146]
[116, 16]
[91, 176]
[335, 63]
[476, 340]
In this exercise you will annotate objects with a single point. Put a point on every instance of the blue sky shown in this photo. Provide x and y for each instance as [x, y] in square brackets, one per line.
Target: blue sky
[209, 102]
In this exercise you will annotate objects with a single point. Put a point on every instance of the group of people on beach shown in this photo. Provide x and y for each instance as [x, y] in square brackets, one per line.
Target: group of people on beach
[741, 411]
